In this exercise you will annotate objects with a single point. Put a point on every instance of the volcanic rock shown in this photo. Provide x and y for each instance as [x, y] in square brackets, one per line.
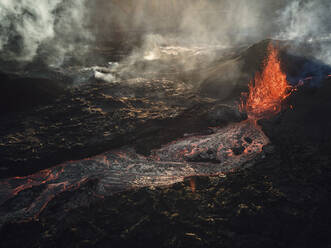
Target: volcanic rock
[94, 118]
[282, 198]
[22, 93]
[230, 76]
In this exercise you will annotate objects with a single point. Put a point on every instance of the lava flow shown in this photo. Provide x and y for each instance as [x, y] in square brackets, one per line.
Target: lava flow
[268, 89]
[225, 149]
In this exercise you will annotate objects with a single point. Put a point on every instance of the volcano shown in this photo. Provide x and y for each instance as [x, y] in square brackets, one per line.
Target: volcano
[268, 90]
[125, 155]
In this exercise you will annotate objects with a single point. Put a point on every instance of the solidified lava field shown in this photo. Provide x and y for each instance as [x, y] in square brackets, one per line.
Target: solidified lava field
[159, 161]
[165, 124]
[120, 170]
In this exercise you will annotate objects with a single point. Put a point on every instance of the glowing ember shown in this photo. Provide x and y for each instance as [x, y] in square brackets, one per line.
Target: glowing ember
[192, 184]
[268, 89]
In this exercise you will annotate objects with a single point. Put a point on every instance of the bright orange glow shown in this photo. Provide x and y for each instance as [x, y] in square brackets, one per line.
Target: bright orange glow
[268, 89]
[192, 184]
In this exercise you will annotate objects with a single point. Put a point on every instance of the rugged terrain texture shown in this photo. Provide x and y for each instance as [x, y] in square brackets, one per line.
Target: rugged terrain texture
[282, 200]
[95, 118]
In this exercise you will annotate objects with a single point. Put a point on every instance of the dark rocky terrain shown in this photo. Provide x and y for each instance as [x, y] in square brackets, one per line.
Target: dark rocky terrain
[281, 200]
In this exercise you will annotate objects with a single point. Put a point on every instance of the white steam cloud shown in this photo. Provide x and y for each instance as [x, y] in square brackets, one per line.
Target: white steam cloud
[308, 22]
[51, 27]
[188, 34]
[34, 22]
[226, 22]
[56, 30]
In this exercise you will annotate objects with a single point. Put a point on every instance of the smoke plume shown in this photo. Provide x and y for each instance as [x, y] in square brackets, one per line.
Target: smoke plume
[308, 22]
[186, 33]
[57, 30]
[50, 28]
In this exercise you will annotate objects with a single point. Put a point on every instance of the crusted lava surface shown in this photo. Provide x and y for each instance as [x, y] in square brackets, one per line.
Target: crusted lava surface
[280, 199]
[91, 119]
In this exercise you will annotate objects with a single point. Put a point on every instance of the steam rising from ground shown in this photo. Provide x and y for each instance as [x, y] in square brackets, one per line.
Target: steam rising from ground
[190, 34]
[58, 29]
[50, 28]
[225, 22]
[191, 21]
[308, 21]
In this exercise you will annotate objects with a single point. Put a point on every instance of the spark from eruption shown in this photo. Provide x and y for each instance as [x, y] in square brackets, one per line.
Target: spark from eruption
[268, 89]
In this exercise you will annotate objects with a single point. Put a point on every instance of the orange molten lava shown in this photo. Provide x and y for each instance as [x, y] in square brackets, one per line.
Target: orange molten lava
[268, 89]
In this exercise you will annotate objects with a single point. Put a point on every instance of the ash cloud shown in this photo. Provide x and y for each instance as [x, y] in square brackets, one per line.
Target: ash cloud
[50, 29]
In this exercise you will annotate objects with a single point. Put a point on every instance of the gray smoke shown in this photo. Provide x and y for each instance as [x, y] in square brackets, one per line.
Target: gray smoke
[188, 34]
[51, 28]
[56, 30]
[308, 22]
[225, 22]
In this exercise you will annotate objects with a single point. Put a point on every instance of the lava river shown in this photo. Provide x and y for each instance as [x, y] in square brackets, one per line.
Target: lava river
[226, 148]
